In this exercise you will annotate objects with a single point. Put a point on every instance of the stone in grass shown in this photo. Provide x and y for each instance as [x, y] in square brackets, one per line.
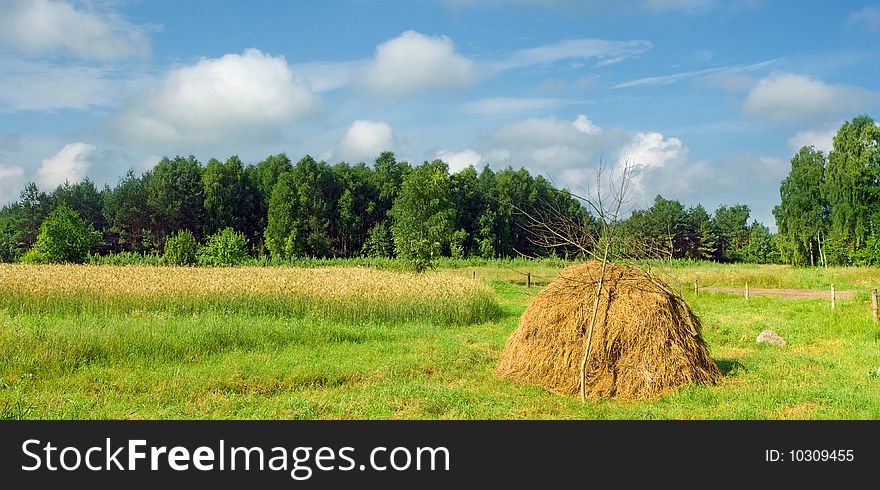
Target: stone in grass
[770, 337]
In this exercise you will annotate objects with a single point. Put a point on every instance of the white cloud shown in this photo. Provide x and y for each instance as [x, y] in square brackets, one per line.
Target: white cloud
[821, 139]
[869, 17]
[590, 6]
[148, 162]
[234, 97]
[324, 76]
[583, 124]
[38, 86]
[69, 164]
[653, 150]
[553, 145]
[606, 52]
[55, 26]
[413, 62]
[11, 182]
[500, 106]
[460, 159]
[790, 97]
[718, 73]
[365, 140]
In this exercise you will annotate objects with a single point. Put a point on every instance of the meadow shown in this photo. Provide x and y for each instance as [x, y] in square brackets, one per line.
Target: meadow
[353, 340]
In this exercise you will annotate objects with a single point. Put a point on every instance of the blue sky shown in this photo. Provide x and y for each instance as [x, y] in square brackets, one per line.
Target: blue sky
[710, 98]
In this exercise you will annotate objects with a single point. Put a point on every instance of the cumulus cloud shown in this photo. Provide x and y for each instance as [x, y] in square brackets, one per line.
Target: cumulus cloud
[822, 139]
[365, 140]
[55, 26]
[69, 164]
[11, 182]
[458, 160]
[653, 150]
[788, 97]
[234, 97]
[324, 76]
[413, 62]
[556, 144]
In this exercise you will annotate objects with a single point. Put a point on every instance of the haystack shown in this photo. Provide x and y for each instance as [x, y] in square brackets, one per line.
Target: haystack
[646, 340]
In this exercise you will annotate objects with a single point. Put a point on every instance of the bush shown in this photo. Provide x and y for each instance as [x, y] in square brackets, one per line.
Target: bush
[127, 258]
[64, 238]
[181, 248]
[34, 256]
[456, 244]
[226, 247]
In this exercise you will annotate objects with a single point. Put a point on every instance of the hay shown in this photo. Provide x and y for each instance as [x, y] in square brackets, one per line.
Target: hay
[646, 340]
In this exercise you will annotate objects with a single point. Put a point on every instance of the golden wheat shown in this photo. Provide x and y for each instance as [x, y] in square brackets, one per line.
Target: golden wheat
[333, 292]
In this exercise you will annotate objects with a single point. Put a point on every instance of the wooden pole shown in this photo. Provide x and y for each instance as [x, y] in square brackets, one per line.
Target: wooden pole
[874, 305]
[696, 286]
[529, 278]
[833, 297]
[475, 275]
[747, 291]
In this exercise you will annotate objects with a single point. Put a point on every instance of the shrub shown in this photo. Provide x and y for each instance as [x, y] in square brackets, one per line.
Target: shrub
[64, 238]
[226, 247]
[181, 248]
[379, 242]
[34, 256]
[456, 244]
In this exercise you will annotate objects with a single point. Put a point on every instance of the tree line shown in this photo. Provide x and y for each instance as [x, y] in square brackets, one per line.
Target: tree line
[829, 212]
[310, 208]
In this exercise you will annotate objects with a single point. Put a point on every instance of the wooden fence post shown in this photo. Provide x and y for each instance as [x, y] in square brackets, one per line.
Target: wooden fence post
[747, 291]
[874, 305]
[833, 297]
[529, 278]
[475, 275]
[696, 286]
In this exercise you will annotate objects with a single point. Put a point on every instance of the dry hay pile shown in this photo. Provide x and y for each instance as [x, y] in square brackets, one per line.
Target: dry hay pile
[646, 340]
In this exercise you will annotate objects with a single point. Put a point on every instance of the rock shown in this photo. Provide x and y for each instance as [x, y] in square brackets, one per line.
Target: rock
[770, 337]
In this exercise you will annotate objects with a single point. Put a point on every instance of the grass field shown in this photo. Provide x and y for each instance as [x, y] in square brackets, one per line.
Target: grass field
[346, 342]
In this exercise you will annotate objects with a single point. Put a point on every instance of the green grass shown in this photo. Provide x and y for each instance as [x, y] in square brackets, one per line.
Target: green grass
[241, 363]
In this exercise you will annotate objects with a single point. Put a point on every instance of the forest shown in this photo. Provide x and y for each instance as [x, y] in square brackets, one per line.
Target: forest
[828, 212]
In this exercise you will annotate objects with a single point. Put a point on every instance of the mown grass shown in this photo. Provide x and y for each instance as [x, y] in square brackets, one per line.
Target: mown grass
[242, 363]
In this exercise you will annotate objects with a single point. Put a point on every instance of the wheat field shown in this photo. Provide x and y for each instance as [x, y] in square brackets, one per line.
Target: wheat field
[328, 293]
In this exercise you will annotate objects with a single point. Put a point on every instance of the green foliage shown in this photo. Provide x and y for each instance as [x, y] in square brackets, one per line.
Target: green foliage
[127, 258]
[423, 215]
[379, 241]
[176, 195]
[760, 247]
[64, 238]
[224, 248]
[802, 214]
[84, 198]
[851, 178]
[456, 244]
[181, 248]
[231, 197]
[127, 214]
[733, 232]
[284, 232]
[869, 255]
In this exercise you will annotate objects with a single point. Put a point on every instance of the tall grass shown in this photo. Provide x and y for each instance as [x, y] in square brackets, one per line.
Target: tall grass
[336, 294]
